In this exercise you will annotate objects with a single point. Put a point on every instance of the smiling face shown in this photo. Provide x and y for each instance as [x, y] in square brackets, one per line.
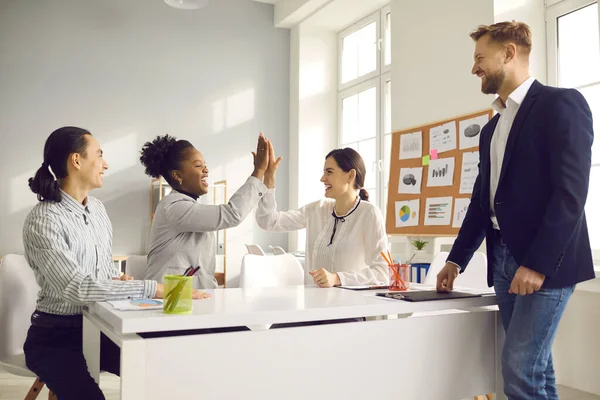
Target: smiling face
[337, 182]
[490, 65]
[90, 164]
[193, 172]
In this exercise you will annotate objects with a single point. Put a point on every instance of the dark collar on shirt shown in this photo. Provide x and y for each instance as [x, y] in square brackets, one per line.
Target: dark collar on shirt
[193, 196]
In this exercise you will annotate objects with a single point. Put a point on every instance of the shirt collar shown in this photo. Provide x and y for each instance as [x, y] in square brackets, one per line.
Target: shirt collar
[517, 96]
[354, 206]
[73, 204]
[193, 196]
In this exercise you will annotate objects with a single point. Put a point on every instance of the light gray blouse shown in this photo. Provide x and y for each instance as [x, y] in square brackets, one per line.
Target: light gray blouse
[183, 232]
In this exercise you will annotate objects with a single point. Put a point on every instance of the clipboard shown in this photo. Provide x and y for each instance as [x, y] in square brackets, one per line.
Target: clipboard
[427, 295]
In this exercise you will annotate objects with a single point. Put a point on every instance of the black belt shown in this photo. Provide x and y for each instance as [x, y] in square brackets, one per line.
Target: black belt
[45, 320]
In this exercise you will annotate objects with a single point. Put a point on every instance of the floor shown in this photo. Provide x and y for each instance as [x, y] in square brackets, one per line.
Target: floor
[14, 388]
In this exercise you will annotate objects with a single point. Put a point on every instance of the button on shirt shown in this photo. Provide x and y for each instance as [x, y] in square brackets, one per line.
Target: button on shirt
[69, 247]
[507, 113]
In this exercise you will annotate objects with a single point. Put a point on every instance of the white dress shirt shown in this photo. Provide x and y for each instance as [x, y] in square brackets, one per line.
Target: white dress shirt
[355, 251]
[507, 113]
[183, 232]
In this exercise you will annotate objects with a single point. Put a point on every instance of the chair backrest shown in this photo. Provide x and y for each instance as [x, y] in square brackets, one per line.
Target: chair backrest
[255, 249]
[18, 296]
[277, 250]
[135, 266]
[474, 277]
[439, 260]
[272, 271]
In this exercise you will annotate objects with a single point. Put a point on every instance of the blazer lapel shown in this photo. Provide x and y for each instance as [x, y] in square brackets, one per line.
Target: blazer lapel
[517, 124]
[484, 157]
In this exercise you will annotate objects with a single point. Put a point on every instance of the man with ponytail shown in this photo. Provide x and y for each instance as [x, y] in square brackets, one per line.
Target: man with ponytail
[345, 234]
[68, 244]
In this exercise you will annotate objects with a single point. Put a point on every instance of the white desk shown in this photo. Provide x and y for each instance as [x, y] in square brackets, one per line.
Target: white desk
[445, 357]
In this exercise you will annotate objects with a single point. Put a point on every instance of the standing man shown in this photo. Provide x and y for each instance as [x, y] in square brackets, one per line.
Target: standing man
[528, 202]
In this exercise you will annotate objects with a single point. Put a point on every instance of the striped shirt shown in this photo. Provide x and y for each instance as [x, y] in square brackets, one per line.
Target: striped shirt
[69, 247]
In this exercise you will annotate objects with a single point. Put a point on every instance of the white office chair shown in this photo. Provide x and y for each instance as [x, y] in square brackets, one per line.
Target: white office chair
[273, 271]
[135, 266]
[474, 277]
[277, 250]
[255, 249]
[18, 295]
[439, 260]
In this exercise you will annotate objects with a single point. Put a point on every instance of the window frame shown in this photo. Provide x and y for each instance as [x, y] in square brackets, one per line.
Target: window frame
[553, 12]
[383, 42]
[383, 185]
[371, 83]
[376, 79]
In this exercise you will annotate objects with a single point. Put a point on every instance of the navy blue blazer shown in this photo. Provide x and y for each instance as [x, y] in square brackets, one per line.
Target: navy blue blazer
[542, 189]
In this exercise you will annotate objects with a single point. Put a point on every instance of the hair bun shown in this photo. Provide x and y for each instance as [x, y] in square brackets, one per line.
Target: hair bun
[155, 154]
[364, 195]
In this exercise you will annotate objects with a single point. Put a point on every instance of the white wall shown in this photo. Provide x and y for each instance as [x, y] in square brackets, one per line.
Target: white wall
[532, 13]
[432, 57]
[313, 113]
[131, 70]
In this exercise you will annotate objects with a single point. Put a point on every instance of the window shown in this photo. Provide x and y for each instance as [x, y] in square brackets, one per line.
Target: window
[574, 61]
[364, 100]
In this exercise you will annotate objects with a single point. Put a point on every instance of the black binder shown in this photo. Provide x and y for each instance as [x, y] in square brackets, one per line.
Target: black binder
[427, 295]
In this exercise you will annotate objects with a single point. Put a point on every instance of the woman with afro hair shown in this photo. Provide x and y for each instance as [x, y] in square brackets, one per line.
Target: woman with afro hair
[183, 230]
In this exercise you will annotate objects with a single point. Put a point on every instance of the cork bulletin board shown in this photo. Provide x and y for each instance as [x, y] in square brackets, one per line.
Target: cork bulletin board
[432, 171]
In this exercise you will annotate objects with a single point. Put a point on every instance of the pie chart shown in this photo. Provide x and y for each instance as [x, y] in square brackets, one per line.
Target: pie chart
[404, 213]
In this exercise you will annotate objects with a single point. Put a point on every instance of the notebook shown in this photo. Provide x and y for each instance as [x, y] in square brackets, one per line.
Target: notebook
[137, 305]
[363, 287]
[427, 295]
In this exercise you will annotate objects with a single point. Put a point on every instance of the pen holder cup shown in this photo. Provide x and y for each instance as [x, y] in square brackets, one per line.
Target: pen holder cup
[178, 294]
[399, 277]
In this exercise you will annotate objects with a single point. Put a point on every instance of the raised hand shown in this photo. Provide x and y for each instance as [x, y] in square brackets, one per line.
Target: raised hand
[272, 168]
[261, 157]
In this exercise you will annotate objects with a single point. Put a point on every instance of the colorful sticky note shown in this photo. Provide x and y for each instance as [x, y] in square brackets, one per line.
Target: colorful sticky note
[434, 154]
[426, 160]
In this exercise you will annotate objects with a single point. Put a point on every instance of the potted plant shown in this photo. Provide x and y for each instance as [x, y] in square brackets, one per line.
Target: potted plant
[420, 254]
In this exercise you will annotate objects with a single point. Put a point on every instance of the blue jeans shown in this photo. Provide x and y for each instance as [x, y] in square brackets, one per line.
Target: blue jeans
[530, 323]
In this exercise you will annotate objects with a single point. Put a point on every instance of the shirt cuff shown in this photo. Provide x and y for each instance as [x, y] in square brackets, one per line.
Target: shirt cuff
[342, 280]
[456, 265]
[149, 289]
[257, 183]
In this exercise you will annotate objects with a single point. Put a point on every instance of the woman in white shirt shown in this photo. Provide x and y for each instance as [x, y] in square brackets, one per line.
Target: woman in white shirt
[345, 234]
[183, 230]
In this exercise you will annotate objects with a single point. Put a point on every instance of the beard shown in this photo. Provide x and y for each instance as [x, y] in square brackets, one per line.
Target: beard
[491, 83]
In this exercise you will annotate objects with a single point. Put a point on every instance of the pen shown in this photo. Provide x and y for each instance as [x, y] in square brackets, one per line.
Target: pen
[187, 271]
